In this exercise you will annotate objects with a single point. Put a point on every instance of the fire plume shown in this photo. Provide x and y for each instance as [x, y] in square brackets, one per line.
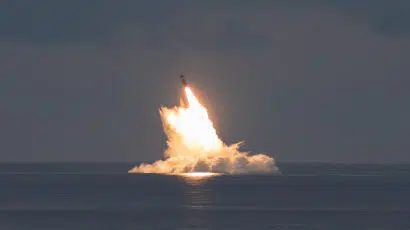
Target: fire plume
[194, 146]
[194, 125]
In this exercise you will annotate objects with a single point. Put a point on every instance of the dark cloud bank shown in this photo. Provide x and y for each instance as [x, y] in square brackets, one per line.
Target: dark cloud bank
[317, 81]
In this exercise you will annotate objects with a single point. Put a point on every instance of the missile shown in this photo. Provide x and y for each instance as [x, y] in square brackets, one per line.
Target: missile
[183, 81]
[183, 99]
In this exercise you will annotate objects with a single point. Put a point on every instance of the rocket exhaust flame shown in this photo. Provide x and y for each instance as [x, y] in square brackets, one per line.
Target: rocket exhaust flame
[194, 146]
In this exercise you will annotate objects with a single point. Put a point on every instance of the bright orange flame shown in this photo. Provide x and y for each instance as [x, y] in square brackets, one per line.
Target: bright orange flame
[195, 148]
[194, 125]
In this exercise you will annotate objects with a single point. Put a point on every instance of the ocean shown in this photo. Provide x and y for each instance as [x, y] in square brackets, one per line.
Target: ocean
[306, 196]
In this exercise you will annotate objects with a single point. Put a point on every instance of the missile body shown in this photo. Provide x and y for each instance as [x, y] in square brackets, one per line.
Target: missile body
[183, 99]
[183, 81]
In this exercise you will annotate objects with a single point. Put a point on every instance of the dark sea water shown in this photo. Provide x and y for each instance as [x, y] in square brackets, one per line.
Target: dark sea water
[104, 196]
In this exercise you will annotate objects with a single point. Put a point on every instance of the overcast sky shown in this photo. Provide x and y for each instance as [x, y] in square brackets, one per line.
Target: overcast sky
[317, 81]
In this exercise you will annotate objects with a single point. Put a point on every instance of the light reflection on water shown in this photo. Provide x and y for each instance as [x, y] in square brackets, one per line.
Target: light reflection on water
[197, 198]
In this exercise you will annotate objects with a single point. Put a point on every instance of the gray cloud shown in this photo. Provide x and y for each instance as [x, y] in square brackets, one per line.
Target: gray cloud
[314, 81]
[384, 17]
[78, 21]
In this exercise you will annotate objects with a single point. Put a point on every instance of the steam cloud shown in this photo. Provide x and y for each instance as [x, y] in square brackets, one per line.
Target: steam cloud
[193, 146]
